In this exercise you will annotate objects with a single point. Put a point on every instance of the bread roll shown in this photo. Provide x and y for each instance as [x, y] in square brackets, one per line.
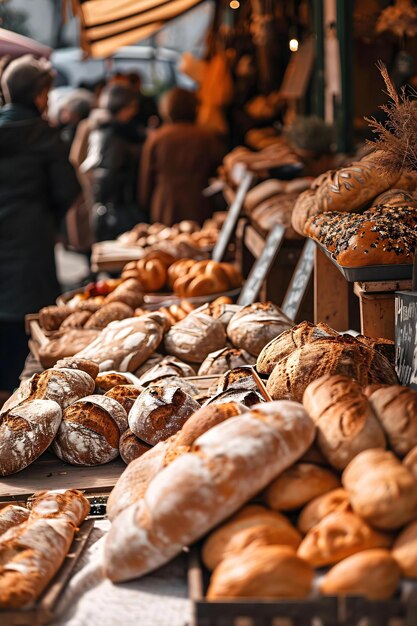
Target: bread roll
[282, 346]
[261, 535]
[345, 421]
[169, 366]
[26, 431]
[381, 489]
[12, 515]
[194, 337]
[30, 555]
[410, 461]
[130, 447]
[255, 325]
[339, 535]
[396, 409]
[335, 355]
[372, 573]
[125, 395]
[223, 360]
[78, 364]
[159, 412]
[298, 485]
[68, 504]
[262, 572]
[227, 465]
[316, 510]
[90, 431]
[404, 550]
[107, 380]
[251, 516]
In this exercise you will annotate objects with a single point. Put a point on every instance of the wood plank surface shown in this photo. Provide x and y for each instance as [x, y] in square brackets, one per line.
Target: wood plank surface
[389, 285]
[331, 294]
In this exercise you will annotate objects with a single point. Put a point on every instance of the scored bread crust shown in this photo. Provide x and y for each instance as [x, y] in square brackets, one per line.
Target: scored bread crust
[12, 515]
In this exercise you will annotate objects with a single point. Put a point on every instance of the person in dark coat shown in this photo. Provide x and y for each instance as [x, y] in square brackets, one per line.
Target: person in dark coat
[37, 186]
[177, 162]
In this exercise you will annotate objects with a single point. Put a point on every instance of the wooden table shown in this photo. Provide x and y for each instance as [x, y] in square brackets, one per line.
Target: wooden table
[377, 306]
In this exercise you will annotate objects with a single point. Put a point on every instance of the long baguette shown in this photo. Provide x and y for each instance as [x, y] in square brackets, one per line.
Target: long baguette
[227, 466]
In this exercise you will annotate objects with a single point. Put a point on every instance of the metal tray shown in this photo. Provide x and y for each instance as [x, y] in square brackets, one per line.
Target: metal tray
[370, 273]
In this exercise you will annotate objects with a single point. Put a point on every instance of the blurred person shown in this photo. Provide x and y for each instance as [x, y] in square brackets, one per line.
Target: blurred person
[72, 109]
[111, 163]
[177, 162]
[37, 186]
[148, 114]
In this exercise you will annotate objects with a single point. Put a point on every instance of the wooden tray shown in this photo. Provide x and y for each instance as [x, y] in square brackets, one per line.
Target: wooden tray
[43, 611]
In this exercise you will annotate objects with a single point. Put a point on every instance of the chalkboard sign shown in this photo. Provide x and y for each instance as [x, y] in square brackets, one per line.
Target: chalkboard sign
[232, 218]
[261, 267]
[406, 337]
[299, 281]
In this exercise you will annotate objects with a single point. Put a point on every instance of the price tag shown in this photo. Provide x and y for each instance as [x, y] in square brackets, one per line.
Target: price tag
[299, 281]
[405, 337]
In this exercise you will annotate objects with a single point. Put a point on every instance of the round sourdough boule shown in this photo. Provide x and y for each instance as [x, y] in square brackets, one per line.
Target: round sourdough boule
[130, 447]
[255, 325]
[262, 572]
[371, 573]
[26, 431]
[125, 395]
[107, 380]
[73, 363]
[298, 485]
[317, 509]
[225, 359]
[64, 386]
[169, 366]
[194, 337]
[12, 515]
[90, 431]
[174, 381]
[246, 397]
[159, 412]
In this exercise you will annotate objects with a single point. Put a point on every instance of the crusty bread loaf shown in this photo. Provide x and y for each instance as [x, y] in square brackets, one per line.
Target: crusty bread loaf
[154, 359]
[109, 313]
[238, 378]
[227, 465]
[222, 312]
[316, 510]
[169, 366]
[282, 346]
[123, 346]
[305, 207]
[298, 485]
[262, 191]
[262, 572]
[335, 355]
[76, 320]
[30, 555]
[384, 346]
[410, 461]
[90, 431]
[217, 545]
[255, 325]
[337, 536]
[125, 395]
[78, 364]
[51, 317]
[67, 504]
[66, 344]
[107, 380]
[12, 515]
[225, 359]
[404, 550]
[247, 397]
[381, 489]
[345, 421]
[130, 447]
[26, 431]
[372, 573]
[194, 337]
[396, 409]
[160, 412]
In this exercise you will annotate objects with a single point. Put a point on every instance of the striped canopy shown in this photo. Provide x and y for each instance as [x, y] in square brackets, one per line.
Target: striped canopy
[106, 25]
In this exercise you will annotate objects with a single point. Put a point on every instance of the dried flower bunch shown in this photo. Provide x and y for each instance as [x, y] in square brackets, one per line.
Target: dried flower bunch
[400, 19]
[397, 138]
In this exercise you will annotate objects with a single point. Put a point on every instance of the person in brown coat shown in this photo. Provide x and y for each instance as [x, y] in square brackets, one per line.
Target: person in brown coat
[177, 161]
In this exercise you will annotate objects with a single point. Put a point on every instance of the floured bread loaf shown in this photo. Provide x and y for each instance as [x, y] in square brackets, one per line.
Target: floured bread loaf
[107, 380]
[225, 359]
[194, 337]
[247, 397]
[220, 311]
[166, 368]
[125, 395]
[12, 515]
[78, 364]
[66, 344]
[67, 504]
[255, 325]
[131, 447]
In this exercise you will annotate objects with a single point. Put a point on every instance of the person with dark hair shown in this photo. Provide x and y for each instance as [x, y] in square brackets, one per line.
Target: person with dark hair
[37, 186]
[177, 161]
[111, 164]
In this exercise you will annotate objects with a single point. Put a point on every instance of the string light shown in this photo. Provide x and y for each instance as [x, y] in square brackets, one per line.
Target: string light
[234, 4]
[293, 45]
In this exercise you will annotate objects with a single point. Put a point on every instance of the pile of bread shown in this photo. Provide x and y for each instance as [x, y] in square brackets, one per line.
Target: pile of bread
[362, 214]
[34, 543]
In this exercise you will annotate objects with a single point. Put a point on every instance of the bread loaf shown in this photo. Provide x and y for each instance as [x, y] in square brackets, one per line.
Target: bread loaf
[337, 536]
[66, 345]
[78, 364]
[396, 409]
[107, 380]
[67, 504]
[217, 545]
[90, 431]
[345, 421]
[305, 207]
[123, 346]
[246, 397]
[169, 366]
[159, 412]
[26, 431]
[404, 550]
[12, 515]
[194, 337]
[298, 485]
[381, 489]
[316, 510]
[255, 325]
[109, 313]
[372, 573]
[220, 311]
[238, 378]
[410, 461]
[51, 317]
[262, 572]
[154, 359]
[386, 347]
[76, 320]
[223, 360]
[282, 346]
[30, 555]
[227, 465]
[131, 447]
[125, 395]
[335, 355]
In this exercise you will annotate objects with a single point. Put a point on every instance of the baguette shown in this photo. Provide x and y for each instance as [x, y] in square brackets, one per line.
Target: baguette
[227, 466]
